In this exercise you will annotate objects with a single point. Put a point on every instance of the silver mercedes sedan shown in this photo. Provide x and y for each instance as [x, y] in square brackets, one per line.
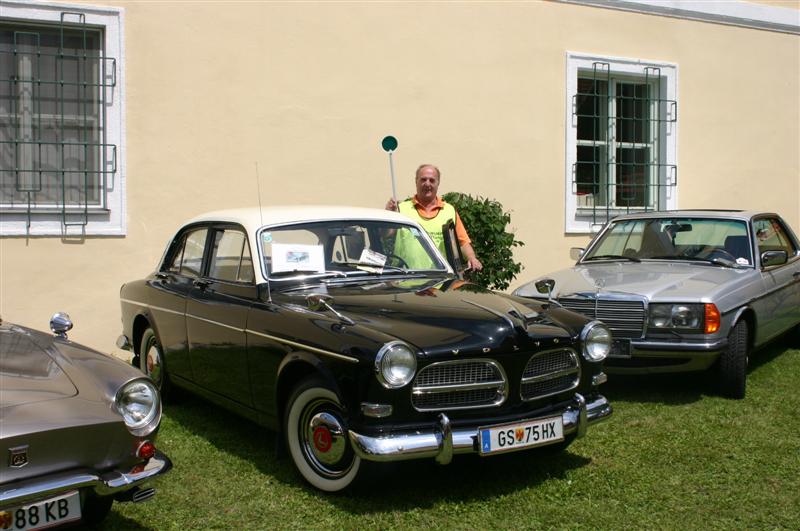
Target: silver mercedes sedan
[685, 290]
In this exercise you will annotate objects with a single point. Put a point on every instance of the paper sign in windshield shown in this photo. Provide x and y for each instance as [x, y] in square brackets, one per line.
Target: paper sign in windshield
[297, 257]
[368, 256]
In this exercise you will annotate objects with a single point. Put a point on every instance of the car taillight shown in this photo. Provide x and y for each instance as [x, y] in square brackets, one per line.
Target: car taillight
[712, 319]
[146, 450]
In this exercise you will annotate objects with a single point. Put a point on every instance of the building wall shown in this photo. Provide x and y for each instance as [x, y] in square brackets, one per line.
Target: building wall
[299, 95]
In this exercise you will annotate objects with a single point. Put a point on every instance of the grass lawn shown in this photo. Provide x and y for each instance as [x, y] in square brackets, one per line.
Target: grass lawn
[673, 455]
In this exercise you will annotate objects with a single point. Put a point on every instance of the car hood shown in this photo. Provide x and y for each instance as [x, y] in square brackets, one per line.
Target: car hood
[657, 281]
[29, 374]
[442, 316]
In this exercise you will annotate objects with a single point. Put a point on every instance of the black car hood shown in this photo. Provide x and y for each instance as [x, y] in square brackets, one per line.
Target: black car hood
[28, 374]
[439, 316]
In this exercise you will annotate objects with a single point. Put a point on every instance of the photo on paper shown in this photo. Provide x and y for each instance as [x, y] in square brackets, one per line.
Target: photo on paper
[297, 257]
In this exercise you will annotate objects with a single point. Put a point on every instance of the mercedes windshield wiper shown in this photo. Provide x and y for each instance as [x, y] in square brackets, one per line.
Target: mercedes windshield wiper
[724, 262]
[612, 257]
[314, 272]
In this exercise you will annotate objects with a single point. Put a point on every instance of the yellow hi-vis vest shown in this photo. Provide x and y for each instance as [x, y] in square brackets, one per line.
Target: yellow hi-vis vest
[432, 226]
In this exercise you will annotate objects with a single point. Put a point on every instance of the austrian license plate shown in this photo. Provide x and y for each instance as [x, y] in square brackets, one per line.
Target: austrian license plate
[516, 436]
[42, 514]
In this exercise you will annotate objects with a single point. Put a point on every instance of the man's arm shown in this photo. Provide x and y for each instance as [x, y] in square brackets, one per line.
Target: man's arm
[466, 246]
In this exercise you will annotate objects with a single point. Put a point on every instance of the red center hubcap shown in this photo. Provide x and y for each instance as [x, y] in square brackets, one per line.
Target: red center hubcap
[322, 439]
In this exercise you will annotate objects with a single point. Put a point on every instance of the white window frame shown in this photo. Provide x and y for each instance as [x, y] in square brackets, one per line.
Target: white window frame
[575, 224]
[111, 221]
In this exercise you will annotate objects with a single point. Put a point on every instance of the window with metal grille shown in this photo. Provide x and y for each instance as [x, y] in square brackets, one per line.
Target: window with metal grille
[59, 123]
[621, 140]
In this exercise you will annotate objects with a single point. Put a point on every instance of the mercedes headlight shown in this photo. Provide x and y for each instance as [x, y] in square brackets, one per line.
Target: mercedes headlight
[596, 339]
[676, 316]
[139, 404]
[395, 365]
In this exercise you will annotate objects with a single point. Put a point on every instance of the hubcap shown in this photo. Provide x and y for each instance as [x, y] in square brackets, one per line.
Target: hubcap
[323, 439]
[327, 438]
[153, 364]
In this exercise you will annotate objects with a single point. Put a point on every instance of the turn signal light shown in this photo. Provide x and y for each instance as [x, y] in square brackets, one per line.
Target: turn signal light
[146, 450]
[712, 319]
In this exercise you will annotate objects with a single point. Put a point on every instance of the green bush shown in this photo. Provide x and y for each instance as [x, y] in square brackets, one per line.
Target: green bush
[486, 224]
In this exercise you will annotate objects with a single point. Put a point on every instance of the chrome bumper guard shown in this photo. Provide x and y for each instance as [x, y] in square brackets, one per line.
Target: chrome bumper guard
[105, 484]
[443, 441]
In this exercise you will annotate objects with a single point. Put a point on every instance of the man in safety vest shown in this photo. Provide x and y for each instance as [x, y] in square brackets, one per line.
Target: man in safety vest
[430, 211]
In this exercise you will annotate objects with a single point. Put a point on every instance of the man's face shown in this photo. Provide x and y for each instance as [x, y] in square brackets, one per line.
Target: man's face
[427, 184]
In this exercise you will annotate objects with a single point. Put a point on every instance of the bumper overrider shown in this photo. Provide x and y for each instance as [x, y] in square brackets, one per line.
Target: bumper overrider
[124, 486]
[442, 441]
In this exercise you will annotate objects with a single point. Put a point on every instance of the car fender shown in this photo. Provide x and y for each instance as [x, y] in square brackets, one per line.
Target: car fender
[295, 366]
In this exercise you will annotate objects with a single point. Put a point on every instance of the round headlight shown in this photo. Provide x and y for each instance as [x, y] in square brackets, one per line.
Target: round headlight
[140, 406]
[596, 341]
[395, 364]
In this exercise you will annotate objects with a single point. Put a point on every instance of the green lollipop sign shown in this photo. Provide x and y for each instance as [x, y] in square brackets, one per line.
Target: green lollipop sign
[389, 145]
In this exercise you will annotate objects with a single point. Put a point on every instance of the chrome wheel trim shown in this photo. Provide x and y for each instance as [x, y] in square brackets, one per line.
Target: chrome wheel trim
[323, 414]
[152, 363]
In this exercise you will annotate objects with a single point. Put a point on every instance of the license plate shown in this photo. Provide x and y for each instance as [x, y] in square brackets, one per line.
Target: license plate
[516, 436]
[42, 514]
[620, 348]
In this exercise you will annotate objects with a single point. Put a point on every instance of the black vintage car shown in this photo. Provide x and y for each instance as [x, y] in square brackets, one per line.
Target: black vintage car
[347, 330]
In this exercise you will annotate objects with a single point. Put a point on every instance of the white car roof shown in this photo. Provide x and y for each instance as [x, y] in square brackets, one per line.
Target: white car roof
[254, 218]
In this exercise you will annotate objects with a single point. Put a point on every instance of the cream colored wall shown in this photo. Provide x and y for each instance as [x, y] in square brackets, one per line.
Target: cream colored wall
[307, 91]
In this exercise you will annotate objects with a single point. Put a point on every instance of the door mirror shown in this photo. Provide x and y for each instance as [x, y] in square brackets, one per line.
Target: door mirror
[576, 253]
[545, 286]
[60, 324]
[773, 258]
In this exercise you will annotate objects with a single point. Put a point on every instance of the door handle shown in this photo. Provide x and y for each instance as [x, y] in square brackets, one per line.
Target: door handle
[201, 284]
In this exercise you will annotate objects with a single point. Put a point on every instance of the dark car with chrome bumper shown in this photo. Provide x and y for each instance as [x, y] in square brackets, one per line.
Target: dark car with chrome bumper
[346, 330]
[78, 430]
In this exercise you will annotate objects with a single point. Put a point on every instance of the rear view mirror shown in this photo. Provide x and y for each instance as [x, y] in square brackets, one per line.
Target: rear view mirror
[773, 258]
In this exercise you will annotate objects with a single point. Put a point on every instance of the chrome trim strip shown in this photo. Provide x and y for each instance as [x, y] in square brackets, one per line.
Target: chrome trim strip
[151, 307]
[706, 346]
[112, 482]
[501, 315]
[248, 331]
[442, 440]
[549, 376]
[304, 347]
[209, 321]
[457, 387]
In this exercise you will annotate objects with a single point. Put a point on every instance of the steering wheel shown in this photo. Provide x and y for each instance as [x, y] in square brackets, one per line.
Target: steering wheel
[399, 262]
[720, 253]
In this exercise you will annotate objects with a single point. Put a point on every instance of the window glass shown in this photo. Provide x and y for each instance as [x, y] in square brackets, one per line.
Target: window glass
[174, 264]
[192, 261]
[771, 236]
[51, 117]
[230, 257]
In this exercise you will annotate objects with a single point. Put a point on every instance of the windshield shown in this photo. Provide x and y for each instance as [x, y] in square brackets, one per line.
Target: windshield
[345, 248]
[718, 241]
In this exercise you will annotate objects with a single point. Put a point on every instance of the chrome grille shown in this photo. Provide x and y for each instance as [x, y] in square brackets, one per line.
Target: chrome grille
[624, 318]
[459, 385]
[549, 373]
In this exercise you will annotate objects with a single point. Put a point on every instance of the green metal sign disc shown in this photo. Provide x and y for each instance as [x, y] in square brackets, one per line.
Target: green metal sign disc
[389, 143]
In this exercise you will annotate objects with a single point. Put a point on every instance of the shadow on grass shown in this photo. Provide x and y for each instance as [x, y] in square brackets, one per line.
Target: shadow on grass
[412, 484]
[682, 388]
[115, 520]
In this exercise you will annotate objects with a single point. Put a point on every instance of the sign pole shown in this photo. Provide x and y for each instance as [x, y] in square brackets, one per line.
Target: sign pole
[389, 145]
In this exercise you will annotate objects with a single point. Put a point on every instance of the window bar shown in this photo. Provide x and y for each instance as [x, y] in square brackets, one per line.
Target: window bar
[609, 129]
[81, 95]
[655, 156]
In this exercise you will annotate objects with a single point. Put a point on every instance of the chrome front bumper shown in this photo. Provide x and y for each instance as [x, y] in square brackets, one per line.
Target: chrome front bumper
[110, 483]
[443, 441]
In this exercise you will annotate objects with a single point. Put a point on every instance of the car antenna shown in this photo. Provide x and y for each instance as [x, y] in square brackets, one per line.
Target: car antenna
[261, 218]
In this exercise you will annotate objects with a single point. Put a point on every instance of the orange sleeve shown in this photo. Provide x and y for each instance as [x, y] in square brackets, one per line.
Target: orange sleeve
[461, 232]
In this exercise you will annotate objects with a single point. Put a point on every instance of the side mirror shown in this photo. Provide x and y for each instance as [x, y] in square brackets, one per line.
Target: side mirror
[773, 258]
[576, 253]
[317, 302]
[60, 324]
[545, 286]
